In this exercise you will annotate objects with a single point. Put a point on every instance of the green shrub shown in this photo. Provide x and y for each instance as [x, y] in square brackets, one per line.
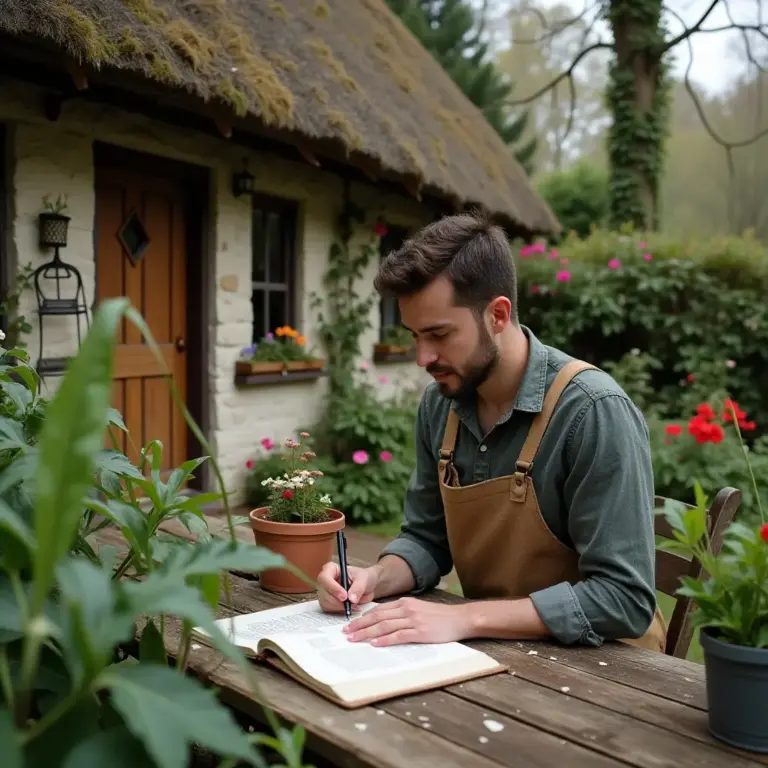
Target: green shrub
[696, 309]
[578, 197]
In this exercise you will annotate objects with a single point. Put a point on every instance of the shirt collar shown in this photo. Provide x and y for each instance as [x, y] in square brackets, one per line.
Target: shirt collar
[530, 396]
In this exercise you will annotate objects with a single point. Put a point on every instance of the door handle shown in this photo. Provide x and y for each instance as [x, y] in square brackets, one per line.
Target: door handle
[181, 345]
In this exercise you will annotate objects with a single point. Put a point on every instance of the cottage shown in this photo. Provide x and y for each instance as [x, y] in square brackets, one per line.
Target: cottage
[204, 149]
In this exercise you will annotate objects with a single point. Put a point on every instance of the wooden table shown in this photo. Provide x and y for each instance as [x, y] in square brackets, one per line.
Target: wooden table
[565, 707]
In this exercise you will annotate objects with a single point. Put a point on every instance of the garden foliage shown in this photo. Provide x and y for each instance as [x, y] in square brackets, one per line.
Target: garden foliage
[680, 324]
[70, 695]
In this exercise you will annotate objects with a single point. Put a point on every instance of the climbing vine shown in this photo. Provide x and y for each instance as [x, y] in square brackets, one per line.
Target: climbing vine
[344, 315]
[638, 96]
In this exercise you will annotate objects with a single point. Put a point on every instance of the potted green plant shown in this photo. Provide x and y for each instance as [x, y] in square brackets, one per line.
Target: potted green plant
[731, 610]
[298, 522]
[54, 225]
[278, 352]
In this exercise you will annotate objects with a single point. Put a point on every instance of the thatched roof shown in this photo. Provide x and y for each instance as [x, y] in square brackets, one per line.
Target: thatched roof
[324, 69]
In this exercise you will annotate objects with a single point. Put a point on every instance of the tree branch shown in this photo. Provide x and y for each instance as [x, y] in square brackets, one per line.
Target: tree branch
[560, 26]
[568, 73]
[686, 33]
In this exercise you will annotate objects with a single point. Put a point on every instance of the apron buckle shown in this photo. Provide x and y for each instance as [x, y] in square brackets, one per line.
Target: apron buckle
[518, 487]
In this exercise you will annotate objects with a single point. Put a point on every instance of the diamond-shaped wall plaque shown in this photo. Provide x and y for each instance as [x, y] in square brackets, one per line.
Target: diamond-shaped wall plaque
[134, 237]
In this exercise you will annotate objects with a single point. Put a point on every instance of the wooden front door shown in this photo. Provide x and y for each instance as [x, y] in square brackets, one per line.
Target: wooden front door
[141, 253]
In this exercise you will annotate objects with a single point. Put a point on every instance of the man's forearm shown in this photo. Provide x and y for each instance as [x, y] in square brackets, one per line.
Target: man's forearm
[504, 620]
[393, 577]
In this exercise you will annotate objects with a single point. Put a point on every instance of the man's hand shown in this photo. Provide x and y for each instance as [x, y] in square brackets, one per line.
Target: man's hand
[331, 595]
[409, 620]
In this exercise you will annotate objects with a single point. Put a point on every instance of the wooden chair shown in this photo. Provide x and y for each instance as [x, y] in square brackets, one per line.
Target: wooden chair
[671, 567]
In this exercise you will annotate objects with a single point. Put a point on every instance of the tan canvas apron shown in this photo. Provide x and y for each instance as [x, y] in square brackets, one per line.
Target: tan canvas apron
[500, 544]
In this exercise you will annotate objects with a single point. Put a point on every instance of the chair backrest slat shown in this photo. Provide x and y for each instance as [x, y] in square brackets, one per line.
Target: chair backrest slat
[670, 567]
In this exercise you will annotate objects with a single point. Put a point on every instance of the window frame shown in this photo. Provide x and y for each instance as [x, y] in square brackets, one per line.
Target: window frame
[288, 211]
[386, 301]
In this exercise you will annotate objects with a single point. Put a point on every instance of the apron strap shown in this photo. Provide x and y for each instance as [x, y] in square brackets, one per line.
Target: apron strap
[449, 438]
[541, 420]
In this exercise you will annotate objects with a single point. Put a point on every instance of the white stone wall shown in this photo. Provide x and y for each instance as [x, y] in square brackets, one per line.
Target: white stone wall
[54, 157]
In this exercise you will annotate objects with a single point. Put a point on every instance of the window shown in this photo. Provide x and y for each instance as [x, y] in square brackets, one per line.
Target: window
[273, 264]
[390, 311]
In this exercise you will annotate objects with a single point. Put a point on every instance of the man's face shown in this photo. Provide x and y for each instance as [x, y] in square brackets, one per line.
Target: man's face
[452, 343]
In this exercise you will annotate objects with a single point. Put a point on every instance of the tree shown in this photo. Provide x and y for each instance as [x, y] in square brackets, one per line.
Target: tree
[454, 33]
[640, 46]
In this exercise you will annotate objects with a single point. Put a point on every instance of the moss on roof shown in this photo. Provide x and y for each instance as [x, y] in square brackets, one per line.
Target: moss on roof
[328, 69]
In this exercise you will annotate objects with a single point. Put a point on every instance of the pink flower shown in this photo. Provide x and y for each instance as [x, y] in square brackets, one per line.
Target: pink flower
[360, 457]
[648, 257]
[554, 254]
[249, 464]
[614, 264]
[385, 456]
[364, 365]
[527, 250]
[563, 276]
[383, 379]
[267, 443]
[731, 363]
[642, 245]
[563, 262]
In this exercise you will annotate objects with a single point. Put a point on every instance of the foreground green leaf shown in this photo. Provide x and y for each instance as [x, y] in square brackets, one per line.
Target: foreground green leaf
[115, 748]
[170, 712]
[11, 751]
[71, 436]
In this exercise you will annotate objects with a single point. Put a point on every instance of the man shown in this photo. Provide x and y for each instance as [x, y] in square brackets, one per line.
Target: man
[533, 474]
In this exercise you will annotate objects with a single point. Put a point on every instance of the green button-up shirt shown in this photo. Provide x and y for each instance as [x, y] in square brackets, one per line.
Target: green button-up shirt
[594, 482]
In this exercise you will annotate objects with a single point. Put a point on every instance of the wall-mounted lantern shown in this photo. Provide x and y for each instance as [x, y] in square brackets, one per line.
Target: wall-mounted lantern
[243, 182]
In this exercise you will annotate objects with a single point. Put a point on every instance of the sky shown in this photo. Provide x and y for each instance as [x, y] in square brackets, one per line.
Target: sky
[714, 65]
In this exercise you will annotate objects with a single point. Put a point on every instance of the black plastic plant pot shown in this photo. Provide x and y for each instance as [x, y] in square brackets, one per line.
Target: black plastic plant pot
[53, 230]
[737, 692]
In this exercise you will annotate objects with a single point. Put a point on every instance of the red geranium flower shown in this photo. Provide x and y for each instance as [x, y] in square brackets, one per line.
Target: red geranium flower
[728, 415]
[249, 464]
[287, 494]
[673, 430]
[705, 431]
[706, 411]
[747, 426]
[764, 532]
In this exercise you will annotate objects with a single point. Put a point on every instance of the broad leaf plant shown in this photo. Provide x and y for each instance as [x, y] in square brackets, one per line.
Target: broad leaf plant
[72, 692]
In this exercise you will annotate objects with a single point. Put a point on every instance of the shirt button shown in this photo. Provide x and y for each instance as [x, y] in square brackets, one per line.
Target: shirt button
[483, 448]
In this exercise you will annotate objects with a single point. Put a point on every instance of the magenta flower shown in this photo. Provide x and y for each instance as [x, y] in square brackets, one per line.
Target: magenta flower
[563, 276]
[383, 379]
[614, 264]
[528, 250]
[267, 443]
[385, 456]
[563, 262]
[648, 257]
[360, 457]
[554, 254]
[642, 245]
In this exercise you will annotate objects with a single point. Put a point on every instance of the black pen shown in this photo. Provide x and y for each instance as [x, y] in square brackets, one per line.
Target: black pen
[342, 545]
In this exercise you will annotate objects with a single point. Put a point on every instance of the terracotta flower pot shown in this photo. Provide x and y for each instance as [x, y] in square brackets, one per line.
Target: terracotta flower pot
[308, 546]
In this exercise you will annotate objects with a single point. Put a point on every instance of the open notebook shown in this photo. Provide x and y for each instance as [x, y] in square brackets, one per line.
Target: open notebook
[309, 645]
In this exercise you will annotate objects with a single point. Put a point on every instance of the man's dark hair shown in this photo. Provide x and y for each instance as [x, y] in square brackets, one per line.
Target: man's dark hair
[468, 248]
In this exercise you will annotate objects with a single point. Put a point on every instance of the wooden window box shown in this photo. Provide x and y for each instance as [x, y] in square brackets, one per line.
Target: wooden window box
[251, 374]
[393, 353]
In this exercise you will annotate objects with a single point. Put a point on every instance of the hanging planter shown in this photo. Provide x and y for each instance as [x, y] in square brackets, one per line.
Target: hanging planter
[53, 225]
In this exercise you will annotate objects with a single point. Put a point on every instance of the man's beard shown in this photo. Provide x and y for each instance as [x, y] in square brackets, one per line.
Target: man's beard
[479, 367]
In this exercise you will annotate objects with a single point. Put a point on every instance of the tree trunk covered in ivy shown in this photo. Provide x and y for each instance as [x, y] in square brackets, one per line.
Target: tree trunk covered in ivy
[638, 97]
